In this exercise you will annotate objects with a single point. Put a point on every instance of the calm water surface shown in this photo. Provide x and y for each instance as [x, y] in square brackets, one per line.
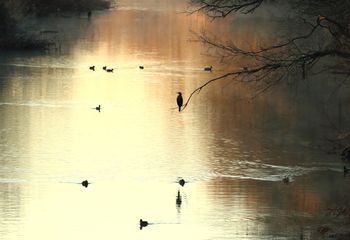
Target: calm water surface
[233, 154]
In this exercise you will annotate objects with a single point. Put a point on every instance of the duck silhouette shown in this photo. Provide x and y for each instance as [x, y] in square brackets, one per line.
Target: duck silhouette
[109, 69]
[141, 67]
[143, 224]
[285, 179]
[92, 68]
[208, 69]
[104, 68]
[98, 108]
[182, 182]
[85, 183]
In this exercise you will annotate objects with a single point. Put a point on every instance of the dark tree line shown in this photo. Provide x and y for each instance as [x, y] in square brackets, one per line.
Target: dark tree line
[13, 12]
[42, 7]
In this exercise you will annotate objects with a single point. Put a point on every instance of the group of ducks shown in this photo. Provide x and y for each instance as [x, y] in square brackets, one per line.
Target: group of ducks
[208, 69]
[93, 68]
[104, 68]
[144, 223]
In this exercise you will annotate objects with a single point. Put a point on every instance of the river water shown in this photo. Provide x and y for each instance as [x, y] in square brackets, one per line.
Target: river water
[232, 151]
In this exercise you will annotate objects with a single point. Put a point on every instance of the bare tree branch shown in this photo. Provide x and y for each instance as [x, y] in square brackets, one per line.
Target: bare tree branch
[222, 8]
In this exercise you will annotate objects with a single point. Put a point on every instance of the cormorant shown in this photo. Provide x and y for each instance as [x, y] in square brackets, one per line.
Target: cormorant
[179, 100]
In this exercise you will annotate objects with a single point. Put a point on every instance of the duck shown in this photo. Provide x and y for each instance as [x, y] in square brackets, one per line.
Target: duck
[182, 182]
[92, 68]
[143, 223]
[98, 108]
[345, 154]
[141, 67]
[285, 179]
[208, 68]
[109, 69]
[85, 183]
[104, 68]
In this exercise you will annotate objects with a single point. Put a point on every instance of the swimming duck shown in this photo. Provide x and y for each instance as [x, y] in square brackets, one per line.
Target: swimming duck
[92, 68]
[285, 179]
[208, 68]
[182, 182]
[109, 69]
[141, 67]
[143, 223]
[98, 108]
[85, 183]
[104, 68]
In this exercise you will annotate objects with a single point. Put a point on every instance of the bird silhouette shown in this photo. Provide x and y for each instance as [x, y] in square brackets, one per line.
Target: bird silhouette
[109, 69]
[141, 67]
[143, 223]
[98, 108]
[182, 182]
[285, 179]
[85, 183]
[92, 68]
[104, 68]
[179, 100]
[208, 68]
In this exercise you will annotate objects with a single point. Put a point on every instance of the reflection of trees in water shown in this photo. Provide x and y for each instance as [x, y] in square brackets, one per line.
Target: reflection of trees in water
[312, 56]
[10, 208]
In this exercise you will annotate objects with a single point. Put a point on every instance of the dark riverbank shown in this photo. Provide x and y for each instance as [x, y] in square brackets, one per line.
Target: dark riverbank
[13, 15]
[43, 8]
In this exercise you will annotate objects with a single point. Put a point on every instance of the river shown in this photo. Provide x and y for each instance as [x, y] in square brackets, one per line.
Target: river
[232, 151]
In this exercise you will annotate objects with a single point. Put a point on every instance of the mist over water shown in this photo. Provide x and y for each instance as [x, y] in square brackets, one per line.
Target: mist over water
[232, 151]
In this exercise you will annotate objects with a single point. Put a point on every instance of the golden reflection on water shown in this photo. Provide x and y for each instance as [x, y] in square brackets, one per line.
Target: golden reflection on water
[137, 147]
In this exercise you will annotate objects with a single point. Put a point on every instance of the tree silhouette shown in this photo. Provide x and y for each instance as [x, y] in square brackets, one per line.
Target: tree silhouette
[325, 36]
